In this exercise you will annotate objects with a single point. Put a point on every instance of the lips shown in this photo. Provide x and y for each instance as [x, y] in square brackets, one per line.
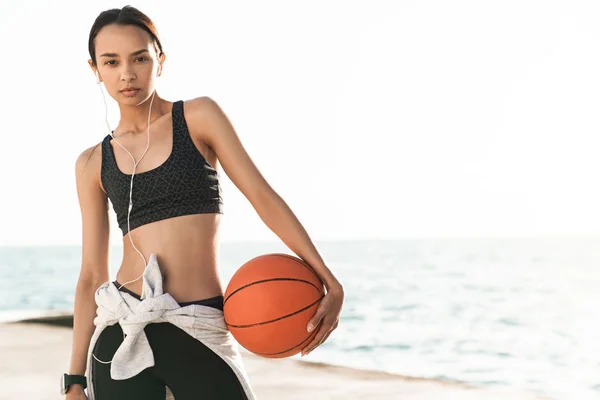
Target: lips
[130, 92]
[129, 89]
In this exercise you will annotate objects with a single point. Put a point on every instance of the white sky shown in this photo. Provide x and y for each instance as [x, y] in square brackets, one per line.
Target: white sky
[372, 119]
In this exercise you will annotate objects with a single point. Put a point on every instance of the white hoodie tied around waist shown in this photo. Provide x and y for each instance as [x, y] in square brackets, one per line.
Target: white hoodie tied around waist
[206, 324]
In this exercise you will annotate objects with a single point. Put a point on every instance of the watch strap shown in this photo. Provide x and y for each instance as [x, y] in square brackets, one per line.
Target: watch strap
[75, 379]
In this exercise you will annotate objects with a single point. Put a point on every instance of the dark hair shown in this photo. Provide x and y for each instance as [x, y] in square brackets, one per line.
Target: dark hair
[127, 15]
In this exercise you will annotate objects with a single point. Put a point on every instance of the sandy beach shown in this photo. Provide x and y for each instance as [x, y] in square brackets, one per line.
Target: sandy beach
[36, 352]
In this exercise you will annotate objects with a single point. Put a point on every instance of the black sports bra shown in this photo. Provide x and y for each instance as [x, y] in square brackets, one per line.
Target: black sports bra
[184, 184]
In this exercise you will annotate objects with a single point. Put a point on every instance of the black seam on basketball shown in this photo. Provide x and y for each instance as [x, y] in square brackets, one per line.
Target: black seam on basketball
[276, 319]
[285, 351]
[268, 280]
[303, 263]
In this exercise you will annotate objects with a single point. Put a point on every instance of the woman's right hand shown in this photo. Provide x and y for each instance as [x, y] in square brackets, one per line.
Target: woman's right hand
[76, 392]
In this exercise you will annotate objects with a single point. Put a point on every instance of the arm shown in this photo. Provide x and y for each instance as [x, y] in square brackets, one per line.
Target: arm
[93, 204]
[209, 124]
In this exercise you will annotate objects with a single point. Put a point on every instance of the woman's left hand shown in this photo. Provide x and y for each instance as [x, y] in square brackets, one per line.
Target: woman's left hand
[326, 318]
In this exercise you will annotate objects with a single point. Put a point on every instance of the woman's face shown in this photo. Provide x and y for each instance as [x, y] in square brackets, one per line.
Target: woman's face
[126, 58]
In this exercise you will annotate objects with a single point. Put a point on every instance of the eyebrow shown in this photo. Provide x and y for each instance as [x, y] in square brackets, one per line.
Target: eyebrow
[135, 53]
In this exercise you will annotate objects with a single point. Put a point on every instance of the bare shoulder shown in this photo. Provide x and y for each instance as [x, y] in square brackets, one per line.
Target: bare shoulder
[203, 111]
[203, 105]
[206, 119]
[88, 164]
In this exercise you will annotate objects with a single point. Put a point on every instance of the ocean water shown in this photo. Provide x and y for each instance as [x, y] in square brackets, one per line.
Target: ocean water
[519, 313]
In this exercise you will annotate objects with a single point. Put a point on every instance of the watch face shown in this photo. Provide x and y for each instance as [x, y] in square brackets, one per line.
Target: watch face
[62, 384]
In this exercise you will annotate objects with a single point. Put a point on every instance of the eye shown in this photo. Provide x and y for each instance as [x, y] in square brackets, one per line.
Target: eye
[143, 58]
[109, 61]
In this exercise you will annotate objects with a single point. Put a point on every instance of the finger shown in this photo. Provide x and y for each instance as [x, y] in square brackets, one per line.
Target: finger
[328, 333]
[315, 341]
[323, 330]
[326, 336]
[316, 319]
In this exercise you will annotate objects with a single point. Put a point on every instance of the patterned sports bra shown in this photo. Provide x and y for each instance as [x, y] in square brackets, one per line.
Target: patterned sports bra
[184, 184]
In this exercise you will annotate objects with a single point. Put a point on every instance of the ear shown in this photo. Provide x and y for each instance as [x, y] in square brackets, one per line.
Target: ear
[94, 70]
[162, 58]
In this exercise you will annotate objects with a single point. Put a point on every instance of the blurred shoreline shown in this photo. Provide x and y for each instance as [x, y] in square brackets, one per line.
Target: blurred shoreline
[37, 348]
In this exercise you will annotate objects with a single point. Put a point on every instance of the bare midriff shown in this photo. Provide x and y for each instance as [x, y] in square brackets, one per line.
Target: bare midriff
[187, 252]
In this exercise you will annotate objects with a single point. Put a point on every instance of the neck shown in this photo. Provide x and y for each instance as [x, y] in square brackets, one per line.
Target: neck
[134, 118]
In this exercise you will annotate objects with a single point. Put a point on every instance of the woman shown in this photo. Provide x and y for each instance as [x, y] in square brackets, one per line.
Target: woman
[171, 213]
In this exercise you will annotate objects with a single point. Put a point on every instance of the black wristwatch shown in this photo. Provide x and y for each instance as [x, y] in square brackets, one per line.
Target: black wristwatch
[67, 380]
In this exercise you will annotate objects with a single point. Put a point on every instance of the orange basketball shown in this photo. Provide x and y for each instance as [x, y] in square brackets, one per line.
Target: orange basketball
[269, 302]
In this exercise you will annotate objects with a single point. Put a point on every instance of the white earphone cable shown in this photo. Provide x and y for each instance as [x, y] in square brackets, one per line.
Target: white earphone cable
[135, 163]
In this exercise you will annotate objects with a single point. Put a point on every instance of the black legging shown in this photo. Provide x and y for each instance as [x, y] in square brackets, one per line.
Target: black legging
[190, 369]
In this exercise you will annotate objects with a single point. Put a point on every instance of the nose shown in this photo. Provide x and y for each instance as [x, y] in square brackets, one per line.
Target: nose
[127, 74]
[127, 77]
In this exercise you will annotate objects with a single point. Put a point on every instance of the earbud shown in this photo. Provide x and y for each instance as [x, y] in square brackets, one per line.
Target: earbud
[97, 78]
